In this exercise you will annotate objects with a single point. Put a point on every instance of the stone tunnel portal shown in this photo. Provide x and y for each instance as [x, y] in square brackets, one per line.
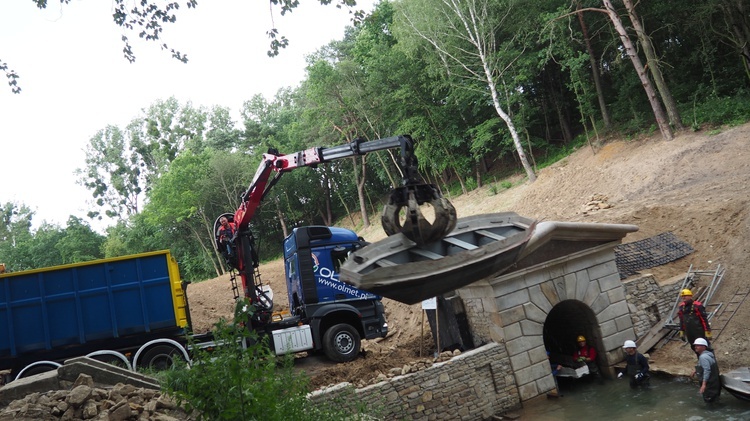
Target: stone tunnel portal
[564, 323]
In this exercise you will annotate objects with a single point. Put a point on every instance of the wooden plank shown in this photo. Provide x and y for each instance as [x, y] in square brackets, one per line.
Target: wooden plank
[652, 337]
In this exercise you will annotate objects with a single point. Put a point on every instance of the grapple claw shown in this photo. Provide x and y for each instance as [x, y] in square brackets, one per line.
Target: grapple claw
[416, 227]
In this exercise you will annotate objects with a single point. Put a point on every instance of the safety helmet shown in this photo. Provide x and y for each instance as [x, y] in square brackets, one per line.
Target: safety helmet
[629, 344]
[581, 339]
[700, 341]
[686, 293]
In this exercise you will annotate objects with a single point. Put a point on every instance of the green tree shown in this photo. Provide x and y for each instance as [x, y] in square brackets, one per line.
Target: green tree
[464, 37]
[113, 175]
[79, 243]
[15, 233]
[234, 382]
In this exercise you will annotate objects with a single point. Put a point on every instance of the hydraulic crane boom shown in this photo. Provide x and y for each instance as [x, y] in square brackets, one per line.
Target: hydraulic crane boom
[410, 196]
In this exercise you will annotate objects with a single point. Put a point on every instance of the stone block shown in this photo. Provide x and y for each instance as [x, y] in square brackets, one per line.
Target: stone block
[615, 341]
[529, 328]
[477, 289]
[528, 391]
[38, 383]
[538, 355]
[534, 313]
[537, 277]
[496, 334]
[602, 270]
[582, 284]
[513, 299]
[592, 293]
[600, 304]
[488, 304]
[559, 285]
[576, 264]
[616, 294]
[512, 331]
[608, 328]
[546, 383]
[523, 344]
[550, 292]
[532, 373]
[507, 285]
[512, 315]
[520, 361]
[103, 373]
[555, 271]
[603, 256]
[612, 312]
[539, 299]
[624, 322]
[610, 281]
[570, 285]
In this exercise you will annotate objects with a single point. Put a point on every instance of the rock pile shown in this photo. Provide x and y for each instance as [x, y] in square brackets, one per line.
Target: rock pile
[84, 401]
[596, 202]
[412, 367]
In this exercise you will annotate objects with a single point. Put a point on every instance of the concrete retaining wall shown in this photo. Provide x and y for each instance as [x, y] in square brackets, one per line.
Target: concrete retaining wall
[472, 386]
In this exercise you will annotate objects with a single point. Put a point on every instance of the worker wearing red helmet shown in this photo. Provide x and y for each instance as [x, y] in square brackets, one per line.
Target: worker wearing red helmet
[693, 319]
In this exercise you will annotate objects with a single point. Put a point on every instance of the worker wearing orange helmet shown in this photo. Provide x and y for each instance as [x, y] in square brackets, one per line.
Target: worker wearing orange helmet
[586, 355]
[693, 319]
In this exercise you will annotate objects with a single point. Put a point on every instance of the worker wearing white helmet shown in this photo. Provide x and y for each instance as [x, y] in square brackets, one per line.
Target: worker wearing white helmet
[637, 366]
[707, 371]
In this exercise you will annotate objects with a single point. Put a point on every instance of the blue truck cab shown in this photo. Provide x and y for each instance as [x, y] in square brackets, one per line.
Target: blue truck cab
[330, 315]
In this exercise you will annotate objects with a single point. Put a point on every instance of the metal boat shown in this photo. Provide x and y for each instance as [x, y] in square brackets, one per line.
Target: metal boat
[398, 268]
[737, 383]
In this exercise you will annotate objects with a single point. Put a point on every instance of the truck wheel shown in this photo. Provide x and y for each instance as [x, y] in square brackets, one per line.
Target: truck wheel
[161, 357]
[341, 343]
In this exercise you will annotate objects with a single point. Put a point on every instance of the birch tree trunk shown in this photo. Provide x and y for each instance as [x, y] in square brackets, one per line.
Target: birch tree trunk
[470, 22]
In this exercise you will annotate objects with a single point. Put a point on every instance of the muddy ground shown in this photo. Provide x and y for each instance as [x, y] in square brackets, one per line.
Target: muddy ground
[695, 186]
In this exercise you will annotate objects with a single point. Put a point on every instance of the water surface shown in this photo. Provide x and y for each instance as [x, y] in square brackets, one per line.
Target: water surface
[667, 399]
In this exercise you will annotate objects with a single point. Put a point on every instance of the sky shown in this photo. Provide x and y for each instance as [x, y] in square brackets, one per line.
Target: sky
[76, 81]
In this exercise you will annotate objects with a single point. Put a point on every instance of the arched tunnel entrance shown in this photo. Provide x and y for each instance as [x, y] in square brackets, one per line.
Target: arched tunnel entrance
[564, 323]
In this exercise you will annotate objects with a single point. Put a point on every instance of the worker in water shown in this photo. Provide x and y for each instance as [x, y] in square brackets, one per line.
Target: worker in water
[555, 367]
[707, 371]
[693, 319]
[637, 366]
[586, 354]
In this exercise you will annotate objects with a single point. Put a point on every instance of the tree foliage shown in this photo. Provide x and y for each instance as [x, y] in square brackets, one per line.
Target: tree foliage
[561, 74]
[233, 382]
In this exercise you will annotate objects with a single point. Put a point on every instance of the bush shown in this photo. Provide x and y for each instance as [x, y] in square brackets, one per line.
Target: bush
[717, 111]
[235, 383]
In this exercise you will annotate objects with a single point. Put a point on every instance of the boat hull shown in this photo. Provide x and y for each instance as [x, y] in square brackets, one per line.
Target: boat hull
[737, 383]
[479, 247]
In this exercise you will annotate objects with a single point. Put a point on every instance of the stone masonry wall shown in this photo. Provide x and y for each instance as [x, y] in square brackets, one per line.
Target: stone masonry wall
[649, 302]
[514, 307]
[472, 386]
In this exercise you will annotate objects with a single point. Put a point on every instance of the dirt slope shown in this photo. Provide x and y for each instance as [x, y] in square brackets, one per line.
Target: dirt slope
[695, 186]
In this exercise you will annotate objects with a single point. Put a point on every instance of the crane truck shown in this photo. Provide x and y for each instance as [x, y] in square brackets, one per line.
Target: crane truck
[326, 314]
[133, 310]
